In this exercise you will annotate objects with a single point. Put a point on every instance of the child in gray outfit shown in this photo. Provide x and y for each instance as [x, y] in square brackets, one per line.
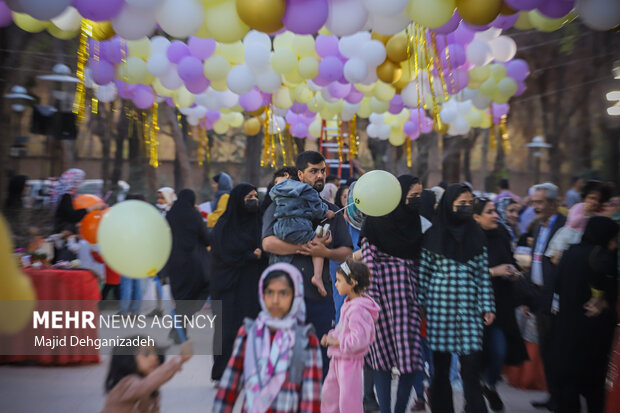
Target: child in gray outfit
[297, 205]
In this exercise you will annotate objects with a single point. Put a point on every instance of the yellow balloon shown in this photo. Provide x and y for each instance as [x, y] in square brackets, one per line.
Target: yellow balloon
[378, 106]
[220, 127]
[523, 22]
[28, 23]
[308, 67]
[183, 98]
[479, 12]
[396, 48]
[474, 118]
[384, 92]
[220, 85]
[233, 52]
[134, 239]
[283, 61]
[292, 78]
[397, 138]
[216, 68]
[262, 15]
[303, 46]
[316, 104]
[335, 107]
[479, 74]
[507, 87]
[283, 40]
[314, 129]
[364, 110]
[161, 89]
[140, 48]
[498, 71]
[102, 30]
[282, 98]
[61, 34]
[235, 120]
[383, 38]
[431, 14]
[303, 94]
[223, 22]
[325, 31]
[136, 70]
[389, 72]
[488, 87]
[546, 24]
[486, 120]
[377, 193]
[252, 126]
[258, 111]
[500, 98]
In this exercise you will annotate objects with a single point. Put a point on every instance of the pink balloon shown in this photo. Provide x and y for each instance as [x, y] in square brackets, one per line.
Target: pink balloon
[410, 128]
[101, 71]
[450, 26]
[201, 48]
[330, 69]
[556, 8]
[338, 90]
[396, 105]
[198, 85]
[251, 101]
[190, 69]
[523, 4]
[143, 97]
[6, 17]
[326, 45]
[517, 69]
[177, 51]
[99, 10]
[305, 16]
[299, 130]
[354, 96]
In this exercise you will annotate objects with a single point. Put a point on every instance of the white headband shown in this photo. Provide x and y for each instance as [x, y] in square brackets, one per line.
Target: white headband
[345, 269]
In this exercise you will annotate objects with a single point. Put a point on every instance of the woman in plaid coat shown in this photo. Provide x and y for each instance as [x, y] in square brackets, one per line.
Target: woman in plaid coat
[276, 360]
[456, 293]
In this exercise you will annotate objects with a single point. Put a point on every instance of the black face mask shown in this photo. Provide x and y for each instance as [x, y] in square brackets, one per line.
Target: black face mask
[251, 205]
[464, 212]
[413, 203]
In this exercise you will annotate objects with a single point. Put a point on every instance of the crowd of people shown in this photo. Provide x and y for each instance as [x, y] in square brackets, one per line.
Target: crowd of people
[324, 307]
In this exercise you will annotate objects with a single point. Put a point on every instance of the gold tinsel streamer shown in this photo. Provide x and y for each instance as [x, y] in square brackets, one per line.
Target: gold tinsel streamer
[201, 147]
[94, 102]
[438, 64]
[492, 134]
[418, 74]
[265, 158]
[340, 142]
[428, 59]
[409, 160]
[503, 130]
[353, 138]
[79, 102]
[154, 143]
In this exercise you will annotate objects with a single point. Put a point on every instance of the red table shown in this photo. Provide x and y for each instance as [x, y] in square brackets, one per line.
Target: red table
[60, 285]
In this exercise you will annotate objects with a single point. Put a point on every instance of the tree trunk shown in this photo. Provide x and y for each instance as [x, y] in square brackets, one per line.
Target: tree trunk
[105, 112]
[137, 158]
[421, 160]
[122, 128]
[252, 157]
[182, 157]
[451, 159]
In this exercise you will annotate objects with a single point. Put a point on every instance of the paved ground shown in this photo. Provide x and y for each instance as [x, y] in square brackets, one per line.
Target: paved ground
[79, 389]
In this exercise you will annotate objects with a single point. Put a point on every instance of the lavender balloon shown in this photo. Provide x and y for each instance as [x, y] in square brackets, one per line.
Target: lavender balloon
[251, 101]
[6, 17]
[517, 69]
[521, 88]
[523, 4]
[99, 10]
[299, 107]
[125, 90]
[411, 128]
[330, 69]
[326, 45]
[556, 8]
[112, 50]
[101, 71]
[463, 35]
[456, 81]
[307, 119]
[198, 85]
[456, 55]
[338, 90]
[143, 97]
[320, 81]
[190, 69]
[291, 117]
[213, 116]
[476, 28]
[354, 96]
[396, 105]
[504, 21]
[499, 110]
[450, 26]
[201, 48]
[299, 130]
[305, 16]
[177, 51]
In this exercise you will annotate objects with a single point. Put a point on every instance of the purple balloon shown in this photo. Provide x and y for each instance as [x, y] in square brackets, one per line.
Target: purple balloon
[251, 101]
[476, 28]
[523, 4]
[213, 116]
[112, 50]
[6, 17]
[556, 8]
[499, 110]
[318, 80]
[354, 96]
[450, 26]
[291, 117]
[307, 119]
[338, 90]
[326, 45]
[410, 128]
[426, 125]
[505, 21]
[143, 97]
[177, 51]
[299, 107]
[170, 102]
[125, 90]
[521, 87]
[198, 85]
[517, 69]
[305, 16]
[299, 130]
[101, 71]
[201, 48]
[330, 69]
[463, 35]
[456, 81]
[396, 105]
[456, 55]
[99, 10]
[190, 69]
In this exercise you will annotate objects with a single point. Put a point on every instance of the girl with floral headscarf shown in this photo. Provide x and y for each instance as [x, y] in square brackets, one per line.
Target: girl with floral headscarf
[276, 359]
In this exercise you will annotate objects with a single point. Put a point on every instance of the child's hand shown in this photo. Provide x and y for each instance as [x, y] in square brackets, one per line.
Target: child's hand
[330, 214]
[187, 351]
[332, 342]
[324, 340]
[258, 253]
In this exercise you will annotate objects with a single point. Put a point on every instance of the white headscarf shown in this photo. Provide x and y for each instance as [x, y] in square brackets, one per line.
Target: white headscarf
[169, 195]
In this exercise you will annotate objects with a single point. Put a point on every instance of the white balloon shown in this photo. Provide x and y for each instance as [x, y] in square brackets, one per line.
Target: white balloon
[377, 118]
[227, 99]
[88, 79]
[373, 53]
[389, 25]
[346, 17]
[313, 86]
[372, 130]
[328, 97]
[346, 115]
[170, 79]
[371, 79]
[599, 14]
[277, 125]
[447, 114]
[257, 56]
[181, 18]
[144, 4]
[481, 101]
[385, 7]
[69, 20]
[44, 9]
[158, 64]
[384, 132]
[134, 24]
[351, 107]
[268, 81]
[460, 126]
[478, 53]
[410, 95]
[199, 111]
[503, 48]
[254, 36]
[355, 70]
[106, 93]
[463, 108]
[208, 99]
[240, 79]
[192, 120]
[469, 93]
[488, 35]
[159, 44]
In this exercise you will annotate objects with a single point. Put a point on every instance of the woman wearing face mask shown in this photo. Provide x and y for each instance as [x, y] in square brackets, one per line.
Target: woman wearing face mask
[588, 289]
[502, 343]
[238, 261]
[276, 361]
[390, 247]
[165, 199]
[455, 290]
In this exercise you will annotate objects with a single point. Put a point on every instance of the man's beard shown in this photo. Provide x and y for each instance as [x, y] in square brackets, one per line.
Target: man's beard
[318, 186]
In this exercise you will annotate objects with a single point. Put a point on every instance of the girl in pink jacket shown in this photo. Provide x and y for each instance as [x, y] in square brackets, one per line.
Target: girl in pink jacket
[349, 342]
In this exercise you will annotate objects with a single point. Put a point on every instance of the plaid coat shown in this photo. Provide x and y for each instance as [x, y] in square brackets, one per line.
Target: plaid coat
[455, 296]
[393, 286]
[303, 398]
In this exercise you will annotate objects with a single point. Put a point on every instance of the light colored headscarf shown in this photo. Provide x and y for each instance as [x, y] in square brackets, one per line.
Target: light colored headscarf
[69, 183]
[329, 192]
[266, 362]
[169, 195]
